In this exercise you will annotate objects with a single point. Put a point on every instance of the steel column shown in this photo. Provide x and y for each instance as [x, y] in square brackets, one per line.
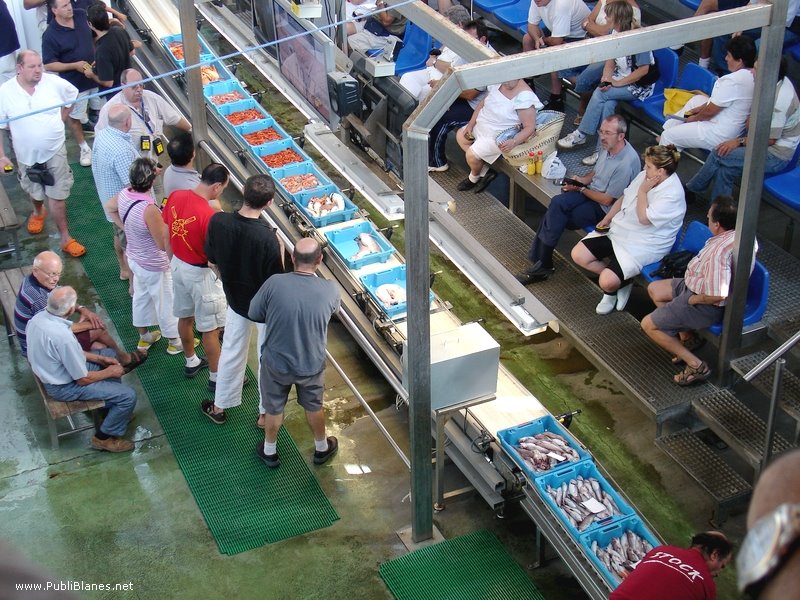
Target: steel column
[194, 84]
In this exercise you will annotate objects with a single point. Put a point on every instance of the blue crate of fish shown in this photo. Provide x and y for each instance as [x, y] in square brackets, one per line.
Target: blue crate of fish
[256, 126]
[510, 437]
[236, 107]
[307, 177]
[604, 536]
[317, 214]
[396, 276]
[345, 242]
[266, 152]
[178, 38]
[212, 71]
[586, 470]
[215, 92]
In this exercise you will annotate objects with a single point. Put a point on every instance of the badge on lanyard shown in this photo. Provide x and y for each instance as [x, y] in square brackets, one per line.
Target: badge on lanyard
[158, 146]
[144, 143]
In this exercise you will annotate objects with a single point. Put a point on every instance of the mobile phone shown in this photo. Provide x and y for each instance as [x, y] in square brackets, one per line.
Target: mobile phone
[602, 228]
[605, 84]
[676, 117]
[435, 52]
[574, 182]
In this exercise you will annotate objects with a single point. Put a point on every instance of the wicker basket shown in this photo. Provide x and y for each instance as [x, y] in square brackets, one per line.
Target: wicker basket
[544, 140]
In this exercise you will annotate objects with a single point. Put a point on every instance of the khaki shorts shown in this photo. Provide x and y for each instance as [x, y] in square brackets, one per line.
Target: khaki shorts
[80, 109]
[197, 293]
[62, 174]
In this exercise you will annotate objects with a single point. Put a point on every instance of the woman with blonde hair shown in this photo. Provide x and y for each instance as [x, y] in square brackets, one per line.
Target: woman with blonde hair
[639, 229]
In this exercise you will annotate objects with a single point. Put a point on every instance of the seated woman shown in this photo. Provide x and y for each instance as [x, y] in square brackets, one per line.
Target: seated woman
[507, 106]
[641, 228]
[625, 78]
[707, 122]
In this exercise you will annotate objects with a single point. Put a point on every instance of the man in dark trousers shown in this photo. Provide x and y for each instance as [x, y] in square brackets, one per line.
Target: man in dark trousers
[296, 308]
[245, 251]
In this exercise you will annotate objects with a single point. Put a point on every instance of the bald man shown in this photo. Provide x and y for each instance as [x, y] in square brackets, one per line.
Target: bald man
[296, 308]
[32, 298]
[112, 156]
[774, 514]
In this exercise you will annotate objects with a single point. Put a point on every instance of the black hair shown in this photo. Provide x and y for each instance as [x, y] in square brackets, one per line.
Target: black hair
[181, 149]
[98, 17]
[723, 211]
[742, 48]
[214, 173]
[783, 69]
[258, 191]
[708, 542]
[480, 28]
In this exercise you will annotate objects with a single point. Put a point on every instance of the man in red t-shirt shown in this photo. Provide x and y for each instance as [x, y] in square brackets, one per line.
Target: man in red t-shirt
[198, 294]
[672, 573]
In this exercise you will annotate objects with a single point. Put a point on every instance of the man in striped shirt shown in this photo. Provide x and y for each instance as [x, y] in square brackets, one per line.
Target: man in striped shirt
[697, 300]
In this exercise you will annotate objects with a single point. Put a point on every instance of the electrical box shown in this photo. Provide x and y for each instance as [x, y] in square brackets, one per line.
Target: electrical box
[464, 365]
[345, 94]
[307, 10]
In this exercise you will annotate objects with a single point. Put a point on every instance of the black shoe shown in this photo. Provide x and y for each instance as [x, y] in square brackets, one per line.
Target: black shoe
[466, 184]
[88, 127]
[207, 407]
[536, 273]
[556, 102]
[212, 385]
[273, 461]
[484, 181]
[191, 372]
[322, 457]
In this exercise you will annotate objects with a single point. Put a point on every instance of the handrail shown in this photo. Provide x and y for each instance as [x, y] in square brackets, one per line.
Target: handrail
[775, 355]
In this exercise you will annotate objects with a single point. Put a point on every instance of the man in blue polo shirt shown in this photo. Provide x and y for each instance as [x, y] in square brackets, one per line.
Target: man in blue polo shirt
[68, 49]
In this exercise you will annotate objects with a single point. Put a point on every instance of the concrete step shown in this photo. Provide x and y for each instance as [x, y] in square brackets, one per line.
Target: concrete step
[790, 401]
[737, 425]
[712, 473]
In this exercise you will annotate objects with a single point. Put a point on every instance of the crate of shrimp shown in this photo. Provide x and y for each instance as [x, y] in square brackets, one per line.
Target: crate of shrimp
[279, 154]
[241, 112]
[299, 177]
[258, 133]
[174, 45]
[325, 205]
[388, 288]
[581, 498]
[224, 92]
[616, 549]
[359, 245]
[541, 446]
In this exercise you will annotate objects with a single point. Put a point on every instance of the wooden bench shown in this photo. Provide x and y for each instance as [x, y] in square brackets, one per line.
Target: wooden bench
[9, 223]
[10, 282]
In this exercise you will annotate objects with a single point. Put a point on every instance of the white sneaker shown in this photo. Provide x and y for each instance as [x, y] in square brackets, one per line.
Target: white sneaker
[607, 304]
[86, 157]
[576, 138]
[591, 160]
[440, 169]
[623, 294]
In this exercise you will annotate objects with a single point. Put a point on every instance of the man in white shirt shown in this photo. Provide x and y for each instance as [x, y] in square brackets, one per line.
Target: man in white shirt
[40, 140]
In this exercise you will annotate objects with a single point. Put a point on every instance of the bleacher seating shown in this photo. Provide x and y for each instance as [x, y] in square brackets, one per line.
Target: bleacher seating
[417, 44]
[757, 292]
[491, 5]
[693, 240]
[514, 15]
[667, 61]
[693, 77]
[784, 194]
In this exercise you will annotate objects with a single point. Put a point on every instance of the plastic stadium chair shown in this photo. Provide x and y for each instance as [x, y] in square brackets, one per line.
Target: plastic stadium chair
[693, 240]
[693, 77]
[667, 61]
[757, 293]
[416, 50]
[786, 187]
[693, 4]
[514, 15]
[491, 6]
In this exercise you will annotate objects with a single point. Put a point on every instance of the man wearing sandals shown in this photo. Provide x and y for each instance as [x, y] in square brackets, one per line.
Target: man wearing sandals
[697, 300]
[40, 140]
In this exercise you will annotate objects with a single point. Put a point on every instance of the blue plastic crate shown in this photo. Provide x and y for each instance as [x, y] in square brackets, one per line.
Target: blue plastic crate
[232, 107]
[224, 87]
[166, 40]
[509, 438]
[343, 242]
[587, 470]
[603, 537]
[395, 275]
[223, 73]
[252, 126]
[303, 168]
[301, 199]
[274, 147]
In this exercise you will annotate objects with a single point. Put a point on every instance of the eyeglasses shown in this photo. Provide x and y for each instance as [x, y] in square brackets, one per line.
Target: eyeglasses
[49, 275]
[606, 132]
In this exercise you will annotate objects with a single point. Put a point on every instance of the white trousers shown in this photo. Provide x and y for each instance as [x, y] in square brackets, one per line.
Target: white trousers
[699, 134]
[152, 300]
[233, 359]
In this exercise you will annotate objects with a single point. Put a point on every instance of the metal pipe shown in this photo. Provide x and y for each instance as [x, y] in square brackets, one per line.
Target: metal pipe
[191, 53]
[777, 390]
[774, 355]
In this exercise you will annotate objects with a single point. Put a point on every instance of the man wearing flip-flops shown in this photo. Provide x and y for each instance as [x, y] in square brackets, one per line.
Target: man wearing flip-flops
[40, 142]
[697, 300]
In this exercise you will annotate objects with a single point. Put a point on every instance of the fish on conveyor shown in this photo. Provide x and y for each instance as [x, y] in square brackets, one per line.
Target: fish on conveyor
[541, 451]
[570, 496]
[324, 205]
[621, 555]
[366, 245]
[390, 294]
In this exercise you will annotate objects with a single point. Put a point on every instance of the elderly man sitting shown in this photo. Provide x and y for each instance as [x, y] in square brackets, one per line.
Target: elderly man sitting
[68, 373]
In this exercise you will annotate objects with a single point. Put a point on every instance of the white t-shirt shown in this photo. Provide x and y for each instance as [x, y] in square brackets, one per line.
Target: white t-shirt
[791, 13]
[564, 18]
[785, 125]
[38, 137]
[734, 94]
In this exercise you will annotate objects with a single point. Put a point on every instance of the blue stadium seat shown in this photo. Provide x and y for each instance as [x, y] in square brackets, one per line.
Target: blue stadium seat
[693, 4]
[491, 6]
[693, 77]
[667, 61]
[786, 187]
[693, 240]
[416, 49]
[757, 293]
[514, 15]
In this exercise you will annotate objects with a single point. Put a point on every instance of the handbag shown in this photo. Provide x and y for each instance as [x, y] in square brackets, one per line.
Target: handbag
[675, 99]
[39, 173]
[674, 264]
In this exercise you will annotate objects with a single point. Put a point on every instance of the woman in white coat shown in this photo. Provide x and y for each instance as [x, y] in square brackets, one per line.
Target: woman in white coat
[639, 229]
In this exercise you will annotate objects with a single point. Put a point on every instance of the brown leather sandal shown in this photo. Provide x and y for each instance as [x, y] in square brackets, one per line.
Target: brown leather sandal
[691, 375]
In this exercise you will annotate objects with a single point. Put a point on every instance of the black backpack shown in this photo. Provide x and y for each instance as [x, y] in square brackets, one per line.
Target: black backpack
[653, 74]
[674, 264]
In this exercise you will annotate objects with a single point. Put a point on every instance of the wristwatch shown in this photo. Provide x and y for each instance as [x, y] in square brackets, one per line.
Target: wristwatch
[769, 544]
[742, 141]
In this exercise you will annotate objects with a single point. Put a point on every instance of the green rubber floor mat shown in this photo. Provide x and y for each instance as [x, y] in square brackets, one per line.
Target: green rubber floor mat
[245, 504]
[476, 565]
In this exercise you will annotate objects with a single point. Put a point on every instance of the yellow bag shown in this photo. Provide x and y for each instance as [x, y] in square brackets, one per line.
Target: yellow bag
[675, 99]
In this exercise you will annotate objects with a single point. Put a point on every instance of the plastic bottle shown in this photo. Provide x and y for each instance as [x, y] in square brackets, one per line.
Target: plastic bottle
[531, 163]
[539, 162]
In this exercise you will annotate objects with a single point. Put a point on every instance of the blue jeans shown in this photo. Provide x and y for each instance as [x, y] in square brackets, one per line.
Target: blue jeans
[570, 210]
[589, 77]
[601, 106]
[120, 399]
[458, 115]
[725, 169]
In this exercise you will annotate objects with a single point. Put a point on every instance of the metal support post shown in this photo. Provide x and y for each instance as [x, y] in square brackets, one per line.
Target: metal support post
[191, 53]
[777, 391]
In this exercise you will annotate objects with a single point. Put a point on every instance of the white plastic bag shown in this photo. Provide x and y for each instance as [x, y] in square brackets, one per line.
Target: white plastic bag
[553, 168]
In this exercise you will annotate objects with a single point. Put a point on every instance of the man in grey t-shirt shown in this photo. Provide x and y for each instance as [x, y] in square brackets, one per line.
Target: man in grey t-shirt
[181, 174]
[585, 205]
[296, 308]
